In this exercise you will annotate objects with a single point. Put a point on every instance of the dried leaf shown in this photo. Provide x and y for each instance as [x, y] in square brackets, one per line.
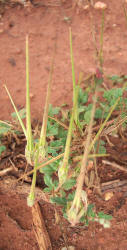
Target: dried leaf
[86, 180]
[40, 229]
[92, 177]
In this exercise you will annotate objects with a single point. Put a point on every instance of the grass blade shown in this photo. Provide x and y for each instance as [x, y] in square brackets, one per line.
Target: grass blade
[75, 108]
[17, 113]
[29, 151]
[101, 41]
[42, 141]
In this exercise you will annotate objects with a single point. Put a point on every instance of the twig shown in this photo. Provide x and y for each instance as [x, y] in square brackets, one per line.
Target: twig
[6, 171]
[114, 165]
[42, 165]
[113, 184]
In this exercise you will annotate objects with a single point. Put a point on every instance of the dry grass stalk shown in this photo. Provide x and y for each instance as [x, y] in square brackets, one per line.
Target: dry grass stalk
[40, 229]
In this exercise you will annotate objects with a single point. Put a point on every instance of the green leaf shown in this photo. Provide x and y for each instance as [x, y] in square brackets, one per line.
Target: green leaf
[22, 113]
[102, 142]
[47, 170]
[112, 94]
[55, 146]
[89, 107]
[52, 151]
[55, 183]
[98, 81]
[81, 109]
[62, 133]
[98, 113]
[90, 212]
[2, 148]
[48, 181]
[120, 80]
[47, 189]
[59, 200]
[82, 97]
[87, 116]
[83, 219]
[104, 216]
[62, 193]
[69, 184]
[87, 222]
[54, 165]
[56, 143]
[114, 77]
[102, 149]
[53, 111]
[4, 128]
[71, 196]
[51, 130]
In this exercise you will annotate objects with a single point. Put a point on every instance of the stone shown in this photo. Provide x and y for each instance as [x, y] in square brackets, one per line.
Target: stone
[108, 196]
[100, 5]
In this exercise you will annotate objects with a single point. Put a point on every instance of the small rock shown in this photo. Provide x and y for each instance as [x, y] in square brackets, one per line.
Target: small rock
[11, 24]
[31, 95]
[100, 6]
[86, 7]
[69, 248]
[18, 51]
[108, 196]
[1, 31]
[12, 61]
[120, 53]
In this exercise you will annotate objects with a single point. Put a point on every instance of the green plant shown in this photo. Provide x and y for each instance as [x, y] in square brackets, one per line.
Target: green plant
[35, 151]
[4, 129]
[52, 153]
[9, 128]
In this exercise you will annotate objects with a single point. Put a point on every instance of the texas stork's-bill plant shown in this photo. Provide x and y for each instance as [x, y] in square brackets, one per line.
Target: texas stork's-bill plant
[35, 152]
[63, 177]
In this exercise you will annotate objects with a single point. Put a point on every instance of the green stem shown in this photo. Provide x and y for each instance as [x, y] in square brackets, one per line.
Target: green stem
[85, 156]
[73, 79]
[103, 124]
[31, 197]
[45, 117]
[28, 113]
[101, 41]
[63, 169]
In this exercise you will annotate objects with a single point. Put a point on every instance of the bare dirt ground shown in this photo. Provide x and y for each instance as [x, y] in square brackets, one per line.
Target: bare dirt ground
[46, 25]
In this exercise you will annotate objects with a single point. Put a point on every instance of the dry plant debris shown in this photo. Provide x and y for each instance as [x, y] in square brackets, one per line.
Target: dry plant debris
[40, 229]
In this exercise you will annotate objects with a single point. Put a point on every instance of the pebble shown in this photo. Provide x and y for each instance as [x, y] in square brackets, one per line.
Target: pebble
[18, 51]
[31, 95]
[69, 248]
[86, 7]
[12, 61]
[100, 6]
[1, 31]
[114, 25]
[108, 196]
